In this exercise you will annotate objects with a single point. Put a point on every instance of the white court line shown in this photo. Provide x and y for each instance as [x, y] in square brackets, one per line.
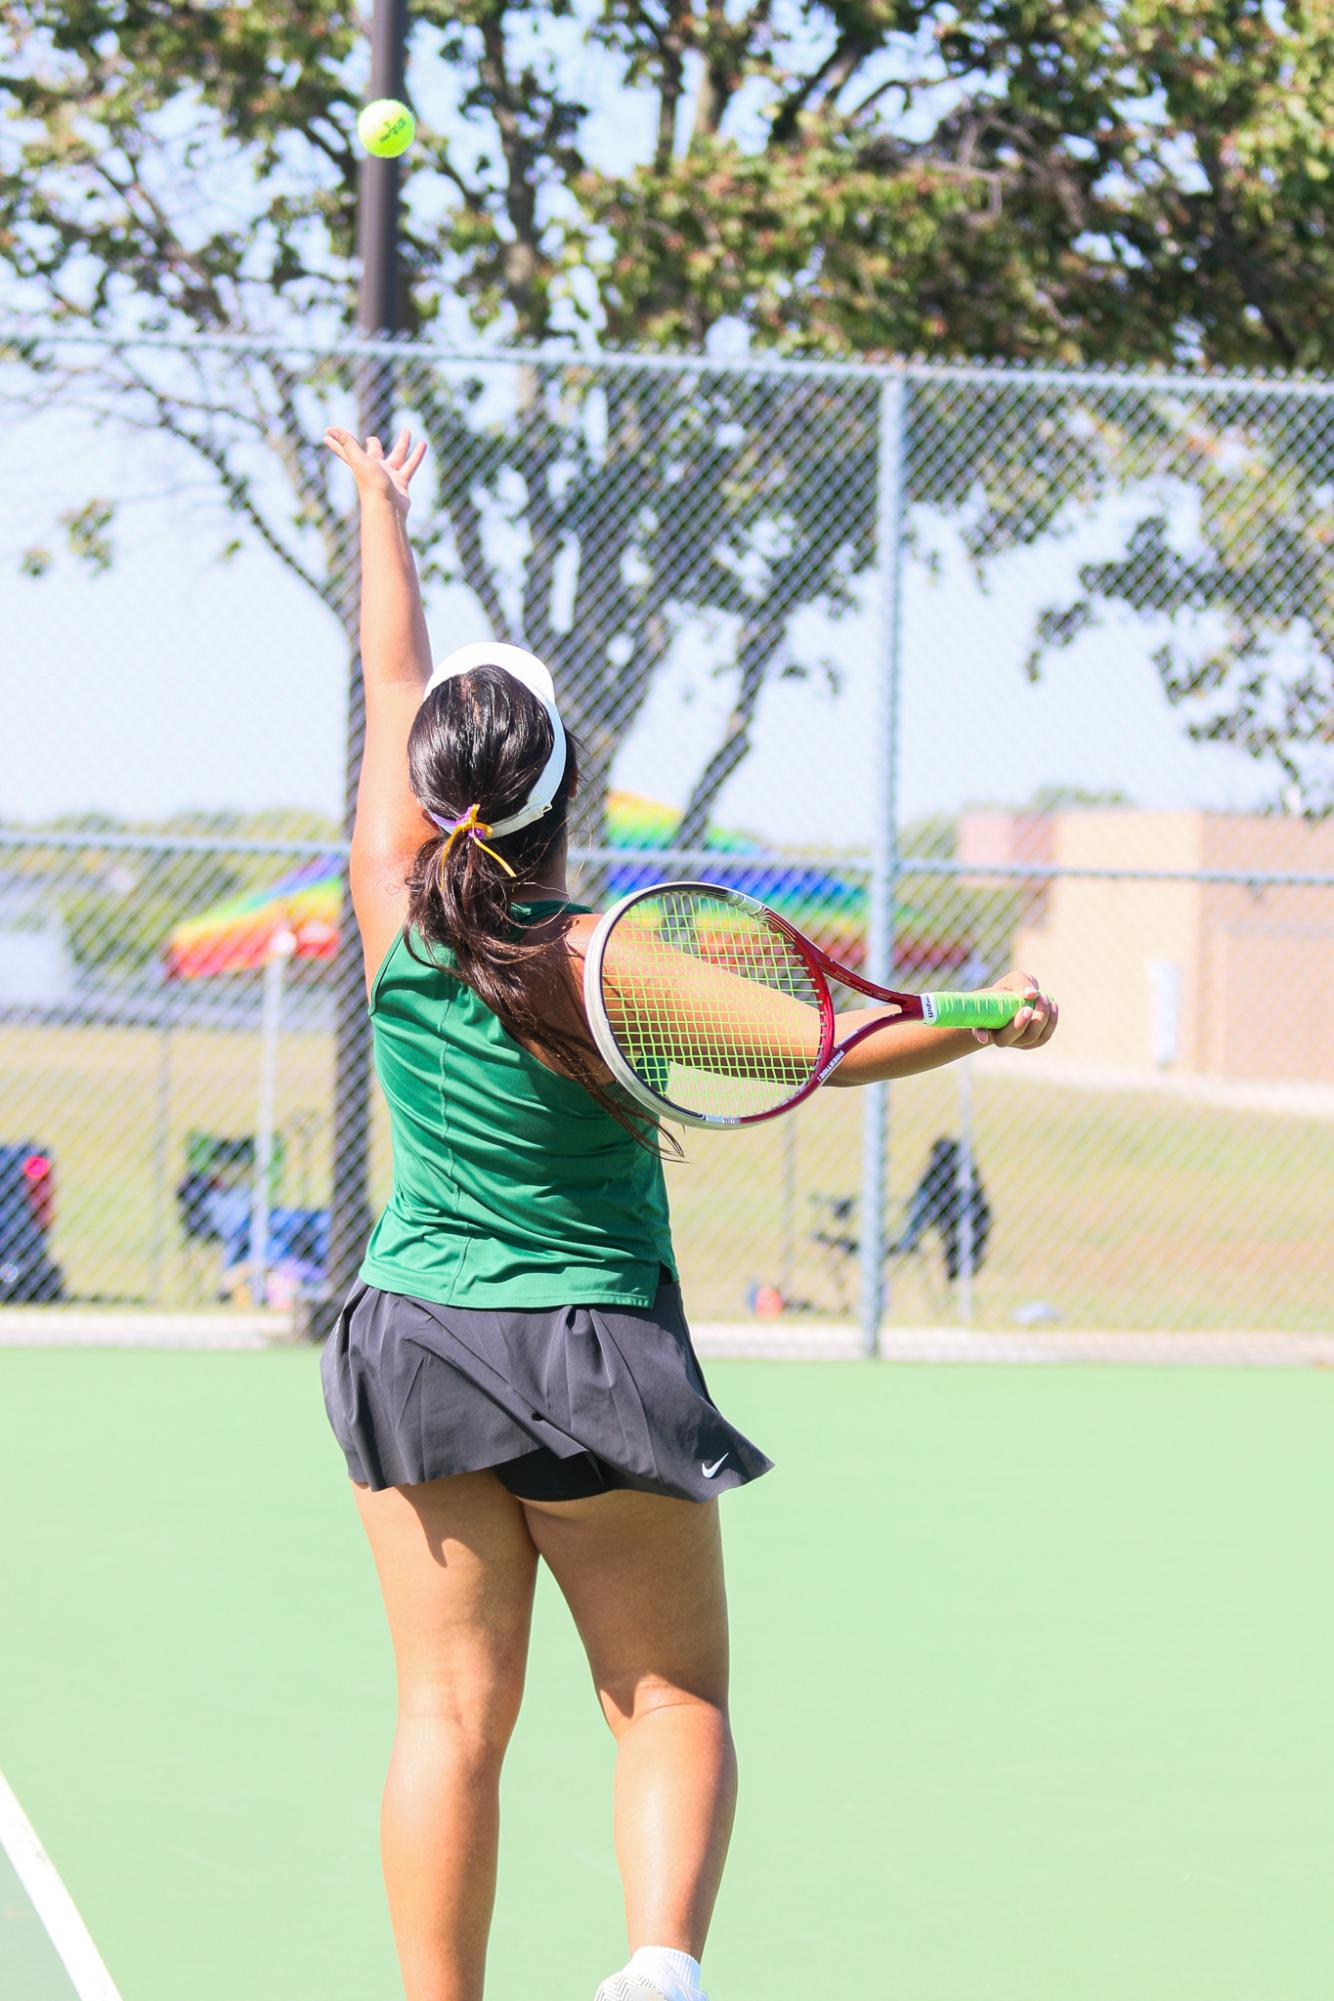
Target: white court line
[53, 1902]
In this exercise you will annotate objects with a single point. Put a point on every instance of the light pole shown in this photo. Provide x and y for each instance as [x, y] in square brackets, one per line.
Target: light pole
[378, 313]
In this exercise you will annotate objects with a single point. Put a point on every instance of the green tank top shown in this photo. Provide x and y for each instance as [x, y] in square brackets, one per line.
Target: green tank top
[512, 1187]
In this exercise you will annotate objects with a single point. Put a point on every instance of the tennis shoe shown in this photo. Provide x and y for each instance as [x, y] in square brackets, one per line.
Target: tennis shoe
[633, 1986]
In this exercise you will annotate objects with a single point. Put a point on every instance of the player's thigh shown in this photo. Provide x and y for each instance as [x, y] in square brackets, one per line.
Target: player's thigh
[457, 1569]
[643, 1577]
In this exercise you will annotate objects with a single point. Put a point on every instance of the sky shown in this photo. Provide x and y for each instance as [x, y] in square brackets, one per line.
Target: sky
[176, 681]
[179, 682]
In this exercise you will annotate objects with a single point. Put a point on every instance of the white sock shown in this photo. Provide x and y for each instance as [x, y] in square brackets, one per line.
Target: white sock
[676, 1973]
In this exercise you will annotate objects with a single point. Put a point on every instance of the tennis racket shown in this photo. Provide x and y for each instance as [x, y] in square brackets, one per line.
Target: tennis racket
[710, 1009]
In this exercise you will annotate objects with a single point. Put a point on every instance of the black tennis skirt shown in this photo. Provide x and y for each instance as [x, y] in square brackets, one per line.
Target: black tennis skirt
[559, 1400]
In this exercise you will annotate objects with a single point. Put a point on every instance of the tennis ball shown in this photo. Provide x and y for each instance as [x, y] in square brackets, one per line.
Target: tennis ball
[386, 128]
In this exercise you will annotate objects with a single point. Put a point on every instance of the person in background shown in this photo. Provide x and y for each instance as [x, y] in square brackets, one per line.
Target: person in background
[940, 1199]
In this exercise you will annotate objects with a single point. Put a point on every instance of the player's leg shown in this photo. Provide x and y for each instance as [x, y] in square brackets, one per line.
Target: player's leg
[457, 1568]
[643, 1577]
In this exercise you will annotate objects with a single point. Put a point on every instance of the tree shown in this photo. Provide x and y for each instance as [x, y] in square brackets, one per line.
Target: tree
[987, 178]
[997, 179]
[120, 905]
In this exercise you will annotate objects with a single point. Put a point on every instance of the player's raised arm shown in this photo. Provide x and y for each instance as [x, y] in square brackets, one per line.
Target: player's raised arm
[395, 647]
[389, 826]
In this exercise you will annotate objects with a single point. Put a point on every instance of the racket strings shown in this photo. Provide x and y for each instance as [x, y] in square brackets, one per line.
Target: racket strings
[713, 1008]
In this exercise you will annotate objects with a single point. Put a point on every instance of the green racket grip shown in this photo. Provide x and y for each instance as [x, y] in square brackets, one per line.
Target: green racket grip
[972, 1010]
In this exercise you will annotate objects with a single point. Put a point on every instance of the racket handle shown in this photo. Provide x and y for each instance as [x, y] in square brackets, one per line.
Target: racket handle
[972, 1010]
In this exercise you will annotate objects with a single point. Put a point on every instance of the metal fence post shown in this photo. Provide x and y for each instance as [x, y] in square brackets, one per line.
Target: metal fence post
[378, 313]
[882, 895]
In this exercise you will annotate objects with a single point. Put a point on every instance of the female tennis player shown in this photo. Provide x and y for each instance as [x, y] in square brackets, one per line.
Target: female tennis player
[511, 1378]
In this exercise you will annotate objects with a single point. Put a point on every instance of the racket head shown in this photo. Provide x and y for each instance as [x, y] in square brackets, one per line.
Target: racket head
[706, 1006]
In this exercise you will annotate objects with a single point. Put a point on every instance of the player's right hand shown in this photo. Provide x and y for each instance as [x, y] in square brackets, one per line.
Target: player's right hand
[1035, 1022]
[373, 472]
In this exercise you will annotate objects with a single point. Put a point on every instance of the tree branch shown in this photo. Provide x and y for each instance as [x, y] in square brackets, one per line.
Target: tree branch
[672, 42]
[234, 485]
[166, 243]
[520, 256]
[535, 452]
[721, 75]
[442, 423]
[1228, 240]
[309, 466]
[759, 643]
[873, 97]
[833, 75]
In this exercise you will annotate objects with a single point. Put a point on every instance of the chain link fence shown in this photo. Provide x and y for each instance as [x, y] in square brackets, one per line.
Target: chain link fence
[962, 668]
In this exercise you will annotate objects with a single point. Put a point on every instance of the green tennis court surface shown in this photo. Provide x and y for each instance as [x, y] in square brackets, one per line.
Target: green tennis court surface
[1032, 1690]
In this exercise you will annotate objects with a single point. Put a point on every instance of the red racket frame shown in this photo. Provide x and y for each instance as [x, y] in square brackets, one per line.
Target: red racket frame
[820, 965]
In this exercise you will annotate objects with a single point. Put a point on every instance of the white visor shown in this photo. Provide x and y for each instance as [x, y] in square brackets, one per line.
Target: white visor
[536, 677]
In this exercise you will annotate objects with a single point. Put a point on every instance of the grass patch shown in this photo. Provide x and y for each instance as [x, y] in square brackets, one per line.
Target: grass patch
[1117, 1210]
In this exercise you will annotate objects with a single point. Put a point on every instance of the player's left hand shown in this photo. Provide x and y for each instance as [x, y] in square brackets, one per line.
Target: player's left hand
[373, 471]
[1035, 1022]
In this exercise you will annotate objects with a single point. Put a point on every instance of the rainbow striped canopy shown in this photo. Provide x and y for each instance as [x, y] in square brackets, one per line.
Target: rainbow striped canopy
[635, 822]
[236, 936]
[827, 905]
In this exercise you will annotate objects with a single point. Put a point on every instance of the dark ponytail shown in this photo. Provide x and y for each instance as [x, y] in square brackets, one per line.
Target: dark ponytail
[482, 739]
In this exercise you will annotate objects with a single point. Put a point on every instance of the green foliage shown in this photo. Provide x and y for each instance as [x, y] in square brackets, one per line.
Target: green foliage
[997, 179]
[935, 837]
[119, 933]
[119, 905]
[982, 919]
[1003, 178]
[1228, 560]
[86, 532]
[1064, 798]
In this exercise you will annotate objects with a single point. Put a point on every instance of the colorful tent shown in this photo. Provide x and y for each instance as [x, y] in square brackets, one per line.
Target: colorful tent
[822, 900]
[829, 905]
[297, 917]
[635, 822]
[237, 936]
